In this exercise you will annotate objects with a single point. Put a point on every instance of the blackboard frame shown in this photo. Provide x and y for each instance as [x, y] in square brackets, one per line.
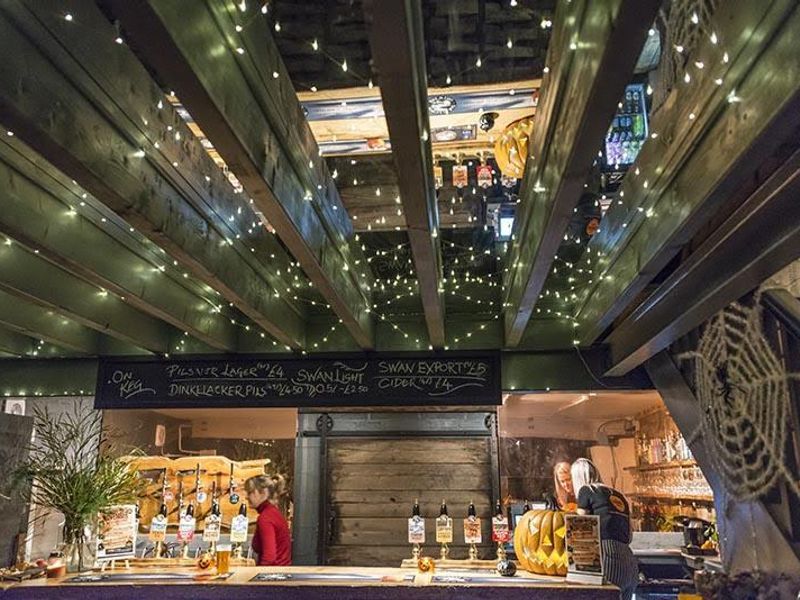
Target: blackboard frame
[144, 393]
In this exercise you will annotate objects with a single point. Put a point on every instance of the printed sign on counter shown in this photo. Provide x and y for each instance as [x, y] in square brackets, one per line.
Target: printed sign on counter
[116, 532]
[584, 552]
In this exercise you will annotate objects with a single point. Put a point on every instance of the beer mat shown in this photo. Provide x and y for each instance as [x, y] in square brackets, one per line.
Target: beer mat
[111, 577]
[324, 577]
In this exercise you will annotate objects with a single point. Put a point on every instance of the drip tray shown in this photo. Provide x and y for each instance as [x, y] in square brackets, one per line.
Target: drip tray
[496, 580]
[322, 577]
[122, 577]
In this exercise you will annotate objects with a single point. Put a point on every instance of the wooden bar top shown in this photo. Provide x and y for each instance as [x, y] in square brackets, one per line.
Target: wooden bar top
[329, 583]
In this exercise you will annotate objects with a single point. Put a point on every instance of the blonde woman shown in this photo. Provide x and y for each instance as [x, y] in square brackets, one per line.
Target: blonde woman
[272, 540]
[620, 567]
[562, 482]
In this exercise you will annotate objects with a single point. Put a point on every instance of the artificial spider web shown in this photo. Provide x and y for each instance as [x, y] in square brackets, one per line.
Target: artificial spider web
[743, 390]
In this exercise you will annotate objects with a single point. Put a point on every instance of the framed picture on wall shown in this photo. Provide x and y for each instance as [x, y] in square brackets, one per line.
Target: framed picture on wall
[15, 406]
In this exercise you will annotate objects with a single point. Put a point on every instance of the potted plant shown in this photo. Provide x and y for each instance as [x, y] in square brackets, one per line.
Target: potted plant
[72, 468]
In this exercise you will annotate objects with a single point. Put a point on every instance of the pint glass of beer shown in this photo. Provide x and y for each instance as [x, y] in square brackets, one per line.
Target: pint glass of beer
[223, 558]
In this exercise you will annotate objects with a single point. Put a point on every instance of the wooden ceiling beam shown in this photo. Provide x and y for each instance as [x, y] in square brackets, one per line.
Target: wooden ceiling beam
[592, 54]
[242, 97]
[69, 93]
[41, 209]
[16, 344]
[29, 319]
[397, 42]
[25, 275]
[714, 134]
[758, 239]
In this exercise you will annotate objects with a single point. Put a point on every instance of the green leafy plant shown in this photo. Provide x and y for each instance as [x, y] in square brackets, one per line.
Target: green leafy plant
[72, 468]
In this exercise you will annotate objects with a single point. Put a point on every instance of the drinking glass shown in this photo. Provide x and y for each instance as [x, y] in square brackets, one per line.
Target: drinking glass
[223, 559]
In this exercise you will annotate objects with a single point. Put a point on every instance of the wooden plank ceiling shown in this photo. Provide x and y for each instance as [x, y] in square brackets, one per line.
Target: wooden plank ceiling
[261, 177]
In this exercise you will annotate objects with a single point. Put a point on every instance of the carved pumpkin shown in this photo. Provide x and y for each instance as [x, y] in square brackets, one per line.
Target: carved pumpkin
[511, 148]
[539, 542]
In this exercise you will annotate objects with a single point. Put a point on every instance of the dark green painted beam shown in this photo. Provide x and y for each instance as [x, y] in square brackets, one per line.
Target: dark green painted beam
[34, 321]
[93, 112]
[20, 345]
[565, 370]
[758, 239]
[43, 211]
[242, 97]
[397, 40]
[548, 333]
[27, 276]
[16, 344]
[591, 57]
[714, 133]
[48, 377]
[521, 371]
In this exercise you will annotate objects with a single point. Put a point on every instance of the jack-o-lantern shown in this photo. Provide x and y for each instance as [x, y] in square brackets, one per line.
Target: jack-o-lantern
[539, 542]
[511, 148]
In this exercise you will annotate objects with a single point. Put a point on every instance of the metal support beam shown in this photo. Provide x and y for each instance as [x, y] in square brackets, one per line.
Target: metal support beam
[591, 58]
[397, 42]
[42, 210]
[757, 240]
[714, 133]
[88, 107]
[34, 321]
[25, 275]
[242, 98]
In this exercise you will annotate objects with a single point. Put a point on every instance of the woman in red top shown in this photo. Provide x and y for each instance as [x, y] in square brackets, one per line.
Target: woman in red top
[272, 540]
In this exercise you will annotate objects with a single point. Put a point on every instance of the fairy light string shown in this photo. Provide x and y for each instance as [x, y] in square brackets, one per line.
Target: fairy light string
[244, 216]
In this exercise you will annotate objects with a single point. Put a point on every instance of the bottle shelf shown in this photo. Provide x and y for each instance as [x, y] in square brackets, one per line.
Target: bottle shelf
[665, 465]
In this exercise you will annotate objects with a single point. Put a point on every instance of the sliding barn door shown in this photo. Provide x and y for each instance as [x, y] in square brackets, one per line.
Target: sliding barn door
[357, 475]
[372, 484]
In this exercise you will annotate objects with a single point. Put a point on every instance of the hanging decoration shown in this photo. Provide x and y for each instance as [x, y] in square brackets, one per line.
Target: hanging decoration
[460, 176]
[511, 148]
[438, 178]
[485, 175]
[743, 390]
[507, 181]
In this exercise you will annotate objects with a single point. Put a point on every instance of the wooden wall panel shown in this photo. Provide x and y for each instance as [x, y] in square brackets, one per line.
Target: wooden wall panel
[373, 483]
[15, 435]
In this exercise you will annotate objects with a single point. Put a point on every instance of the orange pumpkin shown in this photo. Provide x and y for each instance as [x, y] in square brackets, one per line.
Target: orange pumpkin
[539, 542]
[511, 148]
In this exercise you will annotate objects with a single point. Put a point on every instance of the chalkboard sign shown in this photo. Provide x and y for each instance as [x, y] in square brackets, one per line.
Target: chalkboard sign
[373, 380]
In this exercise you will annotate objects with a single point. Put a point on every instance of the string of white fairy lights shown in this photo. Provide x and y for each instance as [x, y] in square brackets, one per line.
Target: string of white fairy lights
[318, 48]
[594, 262]
[257, 220]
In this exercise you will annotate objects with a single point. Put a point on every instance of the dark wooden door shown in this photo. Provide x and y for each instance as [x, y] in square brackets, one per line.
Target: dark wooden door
[372, 484]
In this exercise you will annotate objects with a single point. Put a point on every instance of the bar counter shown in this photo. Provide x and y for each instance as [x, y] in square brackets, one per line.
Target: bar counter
[330, 583]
